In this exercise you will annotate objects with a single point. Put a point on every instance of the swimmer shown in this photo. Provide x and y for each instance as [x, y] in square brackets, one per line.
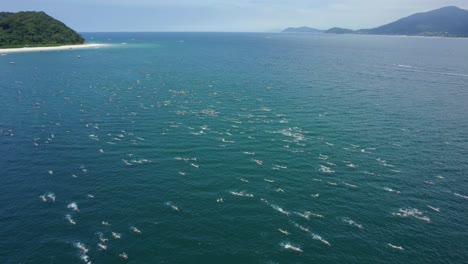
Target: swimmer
[284, 231]
[123, 255]
[434, 208]
[69, 218]
[424, 218]
[259, 162]
[317, 237]
[219, 200]
[85, 258]
[74, 207]
[103, 247]
[315, 195]
[395, 247]
[43, 198]
[289, 246]
[136, 230]
[51, 196]
[105, 223]
[316, 215]
[81, 247]
[116, 235]
[279, 209]
[102, 238]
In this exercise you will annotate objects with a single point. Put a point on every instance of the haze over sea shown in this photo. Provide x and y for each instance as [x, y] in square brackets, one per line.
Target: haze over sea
[236, 148]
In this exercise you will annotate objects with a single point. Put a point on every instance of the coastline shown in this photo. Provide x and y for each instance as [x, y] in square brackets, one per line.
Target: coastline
[64, 47]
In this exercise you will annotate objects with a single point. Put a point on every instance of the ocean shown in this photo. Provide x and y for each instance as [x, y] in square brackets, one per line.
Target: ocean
[236, 148]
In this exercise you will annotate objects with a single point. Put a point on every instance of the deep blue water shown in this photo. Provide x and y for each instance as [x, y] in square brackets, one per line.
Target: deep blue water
[343, 142]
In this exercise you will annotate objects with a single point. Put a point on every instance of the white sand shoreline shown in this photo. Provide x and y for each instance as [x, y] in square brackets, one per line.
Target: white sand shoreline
[65, 47]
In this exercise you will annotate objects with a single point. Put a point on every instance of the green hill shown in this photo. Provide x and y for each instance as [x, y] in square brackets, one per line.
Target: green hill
[446, 21]
[34, 29]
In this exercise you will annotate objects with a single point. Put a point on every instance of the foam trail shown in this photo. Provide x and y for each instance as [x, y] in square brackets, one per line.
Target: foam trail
[116, 235]
[390, 190]
[325, 169]
[85, 258]
[69, 218]
[279, 209]
[301, 227]
[172, 206]
[351, 222]
[459, 195]
[51, 196]
[102, 238]
[43, 198]
[81, 247]
[291, 247]
[136, 230]
[434, 208]
[123, 255]
[395, 247]
[317, 237]
[73, 206]
[242, 193]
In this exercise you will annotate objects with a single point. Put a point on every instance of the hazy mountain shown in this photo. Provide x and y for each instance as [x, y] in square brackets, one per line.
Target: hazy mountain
[446, 21]
[302, 30]
[337, 30]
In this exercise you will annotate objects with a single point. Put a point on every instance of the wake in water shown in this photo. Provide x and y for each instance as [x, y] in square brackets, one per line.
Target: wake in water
[317, 237]
[136, 230]
[242, 193]
[459, 195]
[410, 68]
[287, 245]
[390, 190]
[175, 208]
[83, 250]
[413, 212]
[326, 169]
[279, 209]
[73, 206]
[51, 196]
[70, 219]
[351, 222]
[395, 247]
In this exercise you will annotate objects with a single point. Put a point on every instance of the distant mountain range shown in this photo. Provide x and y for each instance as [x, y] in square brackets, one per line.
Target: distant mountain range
[449, 21]
[302, 30]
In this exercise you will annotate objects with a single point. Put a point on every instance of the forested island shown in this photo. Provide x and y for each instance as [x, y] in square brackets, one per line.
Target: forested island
[34, 29]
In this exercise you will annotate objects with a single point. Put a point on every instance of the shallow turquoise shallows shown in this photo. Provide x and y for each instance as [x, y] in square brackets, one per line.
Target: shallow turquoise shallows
[236, 148]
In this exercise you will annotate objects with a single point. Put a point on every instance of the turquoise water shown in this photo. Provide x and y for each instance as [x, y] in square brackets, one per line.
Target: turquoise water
[209, 143]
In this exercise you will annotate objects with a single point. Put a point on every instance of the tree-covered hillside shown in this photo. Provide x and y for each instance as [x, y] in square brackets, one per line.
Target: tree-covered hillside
[34, 29]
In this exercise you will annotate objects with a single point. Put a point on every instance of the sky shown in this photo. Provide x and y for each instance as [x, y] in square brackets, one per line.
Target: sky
[224, 15]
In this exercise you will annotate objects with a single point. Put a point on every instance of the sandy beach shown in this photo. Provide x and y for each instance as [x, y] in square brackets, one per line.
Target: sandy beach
[65, 47]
